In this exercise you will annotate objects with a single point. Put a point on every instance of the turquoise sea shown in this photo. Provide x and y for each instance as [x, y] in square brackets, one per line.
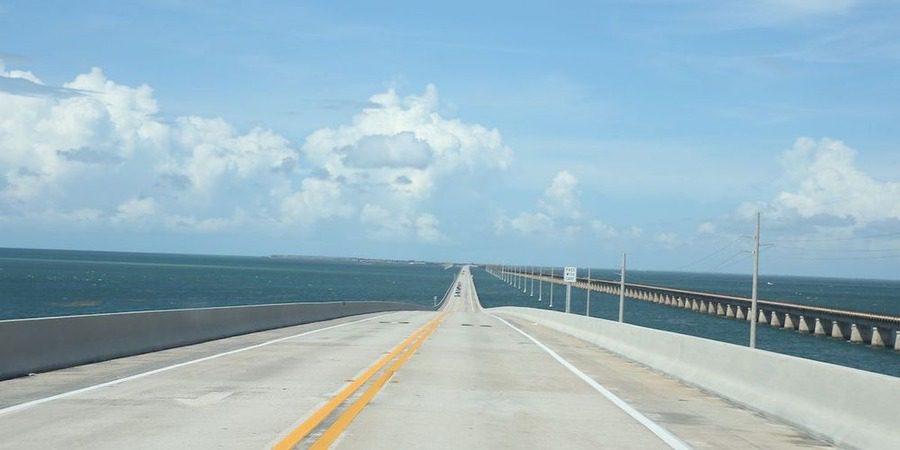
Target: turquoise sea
[41, 283]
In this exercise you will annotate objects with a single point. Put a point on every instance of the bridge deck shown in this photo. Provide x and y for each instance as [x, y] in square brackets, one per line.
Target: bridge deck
[475, 382]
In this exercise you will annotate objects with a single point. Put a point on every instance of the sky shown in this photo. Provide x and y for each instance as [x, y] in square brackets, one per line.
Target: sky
[535, 133]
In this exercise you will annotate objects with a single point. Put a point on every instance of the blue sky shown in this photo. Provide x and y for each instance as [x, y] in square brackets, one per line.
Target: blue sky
[546, 133]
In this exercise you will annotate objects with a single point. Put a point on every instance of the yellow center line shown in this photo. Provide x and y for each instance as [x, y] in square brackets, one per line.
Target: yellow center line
[302, 430]
[334, 431]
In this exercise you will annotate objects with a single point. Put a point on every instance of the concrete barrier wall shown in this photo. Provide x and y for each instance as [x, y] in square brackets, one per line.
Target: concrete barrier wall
[851, 407]
[39, 345]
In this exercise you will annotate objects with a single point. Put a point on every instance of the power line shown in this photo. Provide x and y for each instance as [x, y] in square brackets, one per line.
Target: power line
[730, 259]
[710, 255]
[853, 238]
[840, 250]
[837, 258]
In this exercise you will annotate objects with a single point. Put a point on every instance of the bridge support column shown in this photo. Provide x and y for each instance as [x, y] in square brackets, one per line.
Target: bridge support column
[775, 321]
[837, 330]
[896, 339]
[697, 306]
[856, 335]
[789, 322]
[711, 308]
[719, 309]
[877, 339]
[819, 329]
[762, 317]
[729, 311]
[739, 312]
[803, 324]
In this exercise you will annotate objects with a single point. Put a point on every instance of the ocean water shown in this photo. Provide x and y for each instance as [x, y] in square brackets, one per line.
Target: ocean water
[863, 295]
[42, 283]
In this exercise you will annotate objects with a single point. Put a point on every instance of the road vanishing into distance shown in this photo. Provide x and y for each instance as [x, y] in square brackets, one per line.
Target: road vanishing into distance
[460, 377]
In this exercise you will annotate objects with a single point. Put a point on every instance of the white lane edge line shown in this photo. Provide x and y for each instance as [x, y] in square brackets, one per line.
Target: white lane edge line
[31, 403]
[670, 439]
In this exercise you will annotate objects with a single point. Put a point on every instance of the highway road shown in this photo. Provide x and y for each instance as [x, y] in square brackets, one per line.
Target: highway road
[459, 377]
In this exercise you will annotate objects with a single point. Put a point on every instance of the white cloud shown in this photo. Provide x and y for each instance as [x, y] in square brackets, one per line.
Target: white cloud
[707, 228]
[102, 153]
[383, 223]
[527, 224]
[604, 230]
[395, 153]
[560, 209]
[428, 228]
[316, 200]
[821, 182]
[669, 241]
[561, 198]
[402, 146]
[136, 209]
[106, 150]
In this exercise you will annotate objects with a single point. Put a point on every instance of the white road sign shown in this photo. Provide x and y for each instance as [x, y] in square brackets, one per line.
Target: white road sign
[569, 274]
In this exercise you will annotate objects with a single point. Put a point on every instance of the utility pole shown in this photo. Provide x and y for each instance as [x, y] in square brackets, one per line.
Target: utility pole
[587, 309]
[551, 287]
[524, 280]
[541, 285]
[622, 291]
[753, 310]
[532, 281]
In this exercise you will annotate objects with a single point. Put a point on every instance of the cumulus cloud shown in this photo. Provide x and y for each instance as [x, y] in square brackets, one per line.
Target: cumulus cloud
[527, 223]
[559, 215]
[561, 198]
[559, 207]
[823, 185]
[604, 230]
[668, 240]
[706, 228]
[317, 199]
[395, 152]
[107, 151]
[101, 153]
[386, 224]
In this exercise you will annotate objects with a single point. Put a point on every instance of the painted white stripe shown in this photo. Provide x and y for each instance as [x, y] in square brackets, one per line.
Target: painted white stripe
[654, 427]
[29, 404]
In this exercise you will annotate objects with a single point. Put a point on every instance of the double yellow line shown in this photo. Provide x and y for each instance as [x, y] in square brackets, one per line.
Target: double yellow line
[400, 355]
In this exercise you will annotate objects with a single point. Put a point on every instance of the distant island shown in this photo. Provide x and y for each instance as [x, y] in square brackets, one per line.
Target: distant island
[355, 259]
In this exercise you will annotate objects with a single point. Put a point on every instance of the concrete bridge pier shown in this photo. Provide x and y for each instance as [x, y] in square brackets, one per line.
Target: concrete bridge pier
[789, 323]
[819, 329]
[803, 324]
[838, 330]
[857, 334]
[775, 321]
[877, 339]
[719, 309]
[711, 308]
[739, 314]
[897, 340]
[762, 317]
[729, 311]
